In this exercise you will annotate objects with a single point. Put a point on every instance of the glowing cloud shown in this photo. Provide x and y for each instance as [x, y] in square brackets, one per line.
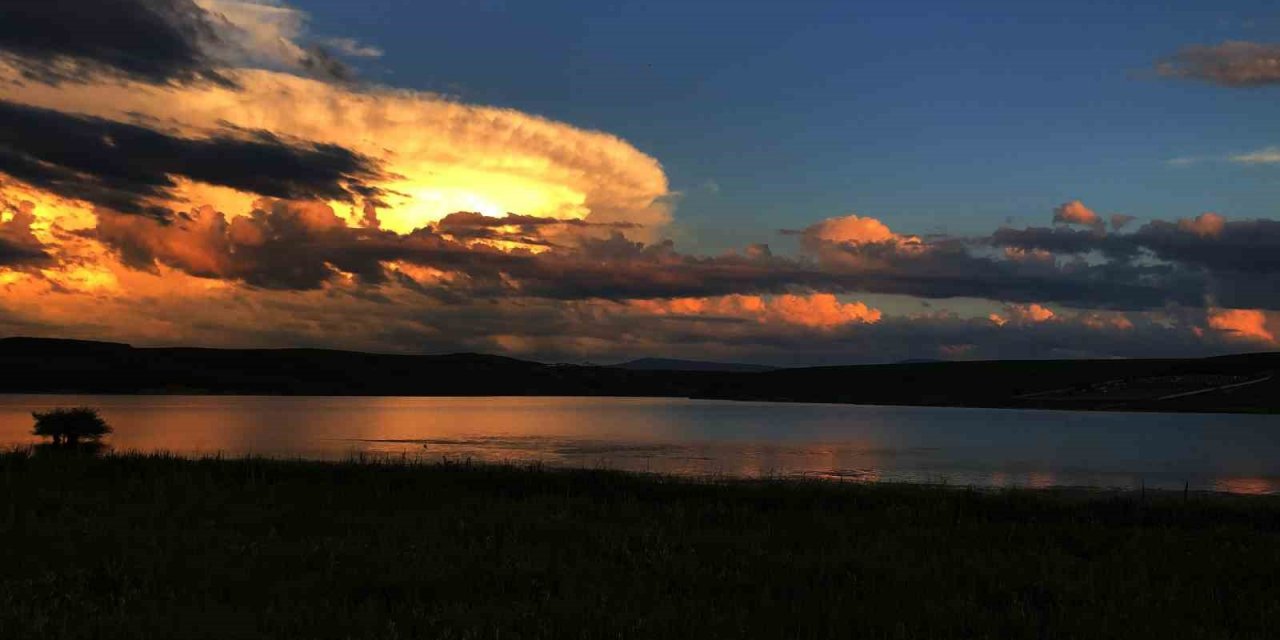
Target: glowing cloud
[1248, 324]
[852, 228]
[815, 311]
[1021, 314]
[1075, 212]
[442, 156]
[1205, 224]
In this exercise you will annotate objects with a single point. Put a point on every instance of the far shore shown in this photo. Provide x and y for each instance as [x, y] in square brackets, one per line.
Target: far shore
[1106, 408]
[1245, 383]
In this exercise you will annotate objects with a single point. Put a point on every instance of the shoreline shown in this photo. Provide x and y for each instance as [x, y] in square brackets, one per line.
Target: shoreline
[1259, 411]
[401, 461]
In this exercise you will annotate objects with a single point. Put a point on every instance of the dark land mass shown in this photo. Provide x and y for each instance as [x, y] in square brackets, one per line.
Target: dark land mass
[672, 364]
[1240, 383]
[153, 547]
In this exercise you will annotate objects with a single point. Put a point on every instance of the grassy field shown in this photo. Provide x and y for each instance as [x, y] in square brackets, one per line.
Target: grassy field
[156, 547]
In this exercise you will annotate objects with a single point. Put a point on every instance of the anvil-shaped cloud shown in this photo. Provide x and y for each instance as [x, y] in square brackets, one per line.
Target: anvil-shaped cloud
[210, 173]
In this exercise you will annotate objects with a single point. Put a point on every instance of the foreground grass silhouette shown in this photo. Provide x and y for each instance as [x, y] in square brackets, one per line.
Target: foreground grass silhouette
[159, 547]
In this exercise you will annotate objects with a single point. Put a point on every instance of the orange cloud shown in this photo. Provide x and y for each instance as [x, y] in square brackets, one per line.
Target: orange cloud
[1101, 321]
[1029, 313]
[1206, 225]
[815, 311]
[852, 228]
[1248, 324]
[442, 156]
[1075, 212]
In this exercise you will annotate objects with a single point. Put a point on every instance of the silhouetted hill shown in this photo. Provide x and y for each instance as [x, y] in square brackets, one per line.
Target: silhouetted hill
[1241, 383]
[671, 364]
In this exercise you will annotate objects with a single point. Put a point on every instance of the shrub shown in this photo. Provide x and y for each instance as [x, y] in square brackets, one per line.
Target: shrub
[69, 426]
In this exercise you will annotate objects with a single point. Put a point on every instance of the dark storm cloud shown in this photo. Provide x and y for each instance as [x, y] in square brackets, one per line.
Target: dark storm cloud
[290, 245]
[151, 40]
[1244, 246]
[1210, 243]
[286, 246]
[950, 268]
[304, 246]
[1062, 240]
[19, 247]
[125, 166]
[13, 254]
[1229, 263]
[1230, 64]
[467, 225]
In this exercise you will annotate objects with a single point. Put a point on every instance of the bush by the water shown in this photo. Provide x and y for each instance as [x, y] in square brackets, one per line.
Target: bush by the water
[70, 426]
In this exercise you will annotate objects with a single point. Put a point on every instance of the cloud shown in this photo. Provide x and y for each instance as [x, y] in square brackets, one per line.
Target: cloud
[1064, 241]
[1233, 64]
[1075, 212]
[129, 168]
[264, 35]
[814, 311]
[1022, 314]
[162, 41]
[1030, 313]
[1247, 324]
[19, 246]
[1119, 221]
[1269, 155]
[153, 40]
[439, 156]
[138, 195]
[849, 229]
[955, 267]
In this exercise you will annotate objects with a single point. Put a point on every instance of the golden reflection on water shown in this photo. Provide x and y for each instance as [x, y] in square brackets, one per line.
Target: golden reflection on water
[1247, 486]
[864, 444]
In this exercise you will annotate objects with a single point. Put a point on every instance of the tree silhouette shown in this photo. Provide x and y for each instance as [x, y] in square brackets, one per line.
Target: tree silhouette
[69, 426]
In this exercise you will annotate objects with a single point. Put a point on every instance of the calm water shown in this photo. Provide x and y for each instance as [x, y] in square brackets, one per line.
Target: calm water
[985, 447]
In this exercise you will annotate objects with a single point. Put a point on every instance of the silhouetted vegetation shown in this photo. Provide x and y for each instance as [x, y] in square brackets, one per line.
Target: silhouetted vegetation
[160, 547]
[67, 427]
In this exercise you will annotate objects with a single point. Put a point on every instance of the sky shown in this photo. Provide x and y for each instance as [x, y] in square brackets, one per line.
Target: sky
[790, 183]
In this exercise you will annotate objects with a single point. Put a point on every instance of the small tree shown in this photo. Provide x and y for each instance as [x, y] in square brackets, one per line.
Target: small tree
[68, 426]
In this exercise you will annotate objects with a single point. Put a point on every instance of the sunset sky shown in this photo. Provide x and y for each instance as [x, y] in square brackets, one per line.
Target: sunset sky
[779, 182]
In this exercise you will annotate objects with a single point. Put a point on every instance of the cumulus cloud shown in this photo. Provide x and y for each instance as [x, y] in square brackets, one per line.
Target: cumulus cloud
[1030, 313]
[1075, 212]
[848, 229]
[1247, 324]
[1230, 64]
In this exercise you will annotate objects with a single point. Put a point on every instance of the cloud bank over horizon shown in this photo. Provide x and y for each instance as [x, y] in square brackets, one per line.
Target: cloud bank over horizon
[234, 183]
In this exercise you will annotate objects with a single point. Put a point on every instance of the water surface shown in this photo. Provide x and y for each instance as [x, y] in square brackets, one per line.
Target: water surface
[983, 447]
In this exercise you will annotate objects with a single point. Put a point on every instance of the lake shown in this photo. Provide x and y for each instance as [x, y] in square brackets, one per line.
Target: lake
[981, 447]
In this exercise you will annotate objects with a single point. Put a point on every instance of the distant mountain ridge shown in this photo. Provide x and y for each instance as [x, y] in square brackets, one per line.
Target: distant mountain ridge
[1238, 383]
[673, 364]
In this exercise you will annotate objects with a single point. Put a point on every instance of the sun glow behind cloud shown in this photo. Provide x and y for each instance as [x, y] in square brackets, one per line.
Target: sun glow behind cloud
[439, 156]
[250, 192]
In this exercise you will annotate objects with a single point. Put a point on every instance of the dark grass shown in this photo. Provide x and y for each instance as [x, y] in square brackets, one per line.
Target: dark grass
[160, 547]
